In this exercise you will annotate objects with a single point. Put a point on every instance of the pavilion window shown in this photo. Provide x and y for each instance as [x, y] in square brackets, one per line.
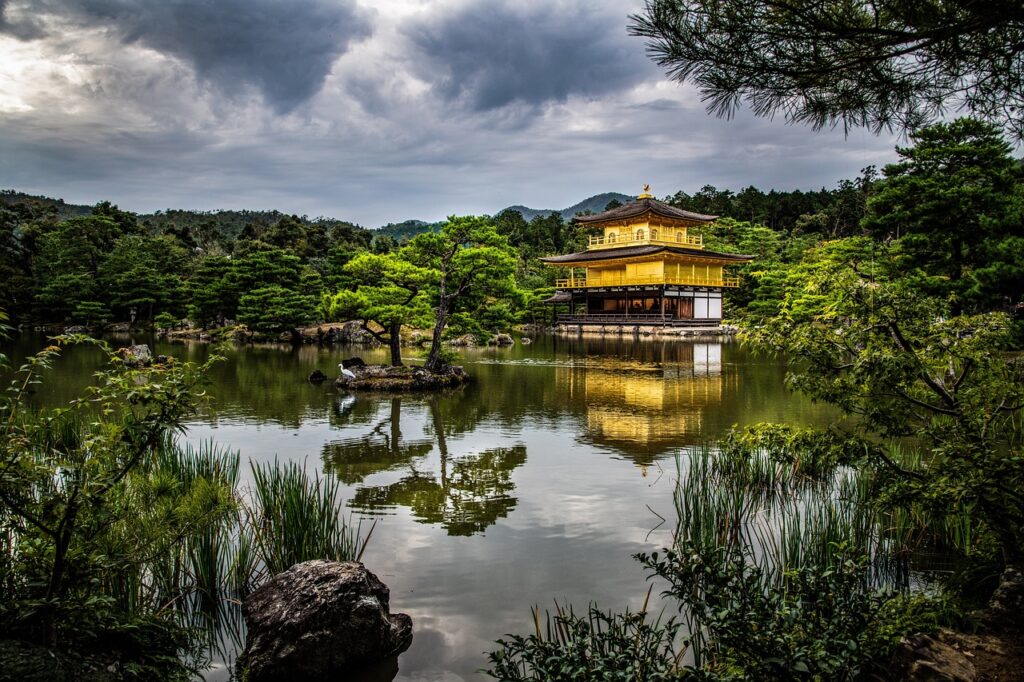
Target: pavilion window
[639, 235]
[654, 234]
[679, 237]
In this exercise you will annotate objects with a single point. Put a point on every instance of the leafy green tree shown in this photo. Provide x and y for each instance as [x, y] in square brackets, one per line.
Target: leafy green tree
[144, 273]
[275, 309]
[90, 314]
[211, 297]
[259, 266]
[938, 407]
[79, 503]
[15, 261]
[384, 244]
[954, 206]
[126, 221]
[471, 262]
[884, 64]
[389, 292]
[68, 260]
[287, 233]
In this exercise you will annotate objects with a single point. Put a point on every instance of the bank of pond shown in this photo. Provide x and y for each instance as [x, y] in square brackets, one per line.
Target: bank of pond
[597, 476]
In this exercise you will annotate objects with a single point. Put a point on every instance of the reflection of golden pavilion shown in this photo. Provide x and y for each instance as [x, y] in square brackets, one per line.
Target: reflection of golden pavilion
[647, 409]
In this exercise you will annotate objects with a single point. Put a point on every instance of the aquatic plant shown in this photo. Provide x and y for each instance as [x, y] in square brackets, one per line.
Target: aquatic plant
[598, 646]
[292, 517]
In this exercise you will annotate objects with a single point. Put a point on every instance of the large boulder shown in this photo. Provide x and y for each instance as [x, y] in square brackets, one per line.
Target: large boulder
[320, 619]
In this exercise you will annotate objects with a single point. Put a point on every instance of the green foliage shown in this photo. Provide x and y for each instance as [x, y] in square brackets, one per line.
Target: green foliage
[598, 646]
[85, 507]
[294, 518]
[143, 275]
[883, 65]
[818, 624]
[472, 264]
[211, 297]
[782, 567]
[90, 314]
[953, 207]
[877, 348]
[165, 321]
[389, 291]
[275, 309]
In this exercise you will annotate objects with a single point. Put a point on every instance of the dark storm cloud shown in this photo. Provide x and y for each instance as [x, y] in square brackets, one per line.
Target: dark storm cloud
[284, 49]
[23, 28]
[495, 53]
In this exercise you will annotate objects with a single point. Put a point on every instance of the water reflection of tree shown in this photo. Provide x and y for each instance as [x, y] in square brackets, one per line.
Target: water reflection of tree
[469, 492]
[382, 449]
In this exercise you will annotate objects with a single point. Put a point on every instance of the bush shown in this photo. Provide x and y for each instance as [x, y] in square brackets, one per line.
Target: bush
[601, 646]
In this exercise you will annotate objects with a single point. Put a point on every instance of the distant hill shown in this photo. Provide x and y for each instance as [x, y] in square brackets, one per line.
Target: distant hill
[405, 230]
[10, 197]
[227, 224]
[594, 204]
[230, 224]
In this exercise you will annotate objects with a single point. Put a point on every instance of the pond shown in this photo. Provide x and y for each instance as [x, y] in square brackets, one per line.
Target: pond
[537, 482]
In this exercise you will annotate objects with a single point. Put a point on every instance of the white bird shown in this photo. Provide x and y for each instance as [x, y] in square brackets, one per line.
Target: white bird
[348, 374]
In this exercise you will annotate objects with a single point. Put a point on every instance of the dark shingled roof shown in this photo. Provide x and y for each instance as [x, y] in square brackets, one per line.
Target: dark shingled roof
[559, 297]
[641, 206]
[642, 250]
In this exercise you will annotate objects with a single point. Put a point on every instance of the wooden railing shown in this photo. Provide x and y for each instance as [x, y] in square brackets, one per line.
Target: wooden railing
[634, 318]
[631, 240]
[583, 282]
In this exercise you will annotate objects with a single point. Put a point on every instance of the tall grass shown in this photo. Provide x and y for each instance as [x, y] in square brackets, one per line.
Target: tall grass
[783, 520]
[293, 517]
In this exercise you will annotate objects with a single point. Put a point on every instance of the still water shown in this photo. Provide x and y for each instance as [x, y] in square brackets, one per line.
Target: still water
[535, 483]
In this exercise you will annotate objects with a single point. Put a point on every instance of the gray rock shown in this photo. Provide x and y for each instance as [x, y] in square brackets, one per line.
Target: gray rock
[1006, 606]
[349, 363]
[76, 329]
[316, 376]
[501, 340]
[137, 356]
[526, 340]
[320, 619]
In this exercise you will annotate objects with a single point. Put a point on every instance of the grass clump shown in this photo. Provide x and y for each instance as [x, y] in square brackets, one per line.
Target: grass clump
[293, 517]
[601, 645]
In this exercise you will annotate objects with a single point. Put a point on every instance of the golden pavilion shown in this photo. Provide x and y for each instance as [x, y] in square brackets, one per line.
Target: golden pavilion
[644, 268]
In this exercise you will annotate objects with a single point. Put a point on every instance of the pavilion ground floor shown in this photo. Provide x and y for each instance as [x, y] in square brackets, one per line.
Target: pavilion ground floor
[665, 304]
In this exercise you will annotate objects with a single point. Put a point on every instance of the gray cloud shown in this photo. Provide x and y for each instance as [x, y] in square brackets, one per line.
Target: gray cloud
[534, 103]
[24, 27]
[493, 54]
[283, 49]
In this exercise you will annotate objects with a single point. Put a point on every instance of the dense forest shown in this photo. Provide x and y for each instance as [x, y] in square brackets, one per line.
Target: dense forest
[274, 272]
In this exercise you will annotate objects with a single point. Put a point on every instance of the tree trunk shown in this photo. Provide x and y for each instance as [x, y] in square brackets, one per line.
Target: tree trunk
[395, 342]
[433, 363]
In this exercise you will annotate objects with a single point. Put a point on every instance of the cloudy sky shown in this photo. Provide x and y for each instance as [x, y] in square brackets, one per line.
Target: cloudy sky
[371, 111]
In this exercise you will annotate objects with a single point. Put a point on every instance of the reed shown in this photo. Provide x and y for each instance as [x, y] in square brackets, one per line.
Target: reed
[293, 517]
